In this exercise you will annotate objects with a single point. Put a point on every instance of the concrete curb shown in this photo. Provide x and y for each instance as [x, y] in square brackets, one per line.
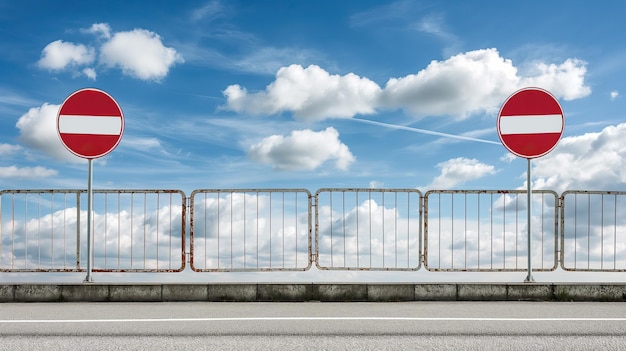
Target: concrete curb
[283, 292]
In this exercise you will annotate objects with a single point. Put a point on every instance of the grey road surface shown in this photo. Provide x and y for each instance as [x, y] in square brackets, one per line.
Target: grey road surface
[313, 326]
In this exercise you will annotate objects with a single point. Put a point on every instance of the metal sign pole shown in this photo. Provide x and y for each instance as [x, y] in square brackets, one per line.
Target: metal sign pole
[88, 279]
[529, 278]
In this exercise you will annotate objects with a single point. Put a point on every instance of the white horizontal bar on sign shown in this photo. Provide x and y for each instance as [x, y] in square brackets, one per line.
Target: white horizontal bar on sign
[532, 124]
[103, 125]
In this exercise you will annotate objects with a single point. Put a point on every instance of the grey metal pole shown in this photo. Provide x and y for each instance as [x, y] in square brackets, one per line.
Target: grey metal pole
[89, 279]
[529, 278]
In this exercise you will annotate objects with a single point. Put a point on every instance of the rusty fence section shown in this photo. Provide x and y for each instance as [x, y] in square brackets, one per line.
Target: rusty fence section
[237, 230]
[133, 230]
[233, 230]
[368, 229]
[593, 231]
[486, 230]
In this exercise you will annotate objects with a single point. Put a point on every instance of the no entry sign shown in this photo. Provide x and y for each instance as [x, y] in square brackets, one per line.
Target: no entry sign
[530, 123]
[90, 123]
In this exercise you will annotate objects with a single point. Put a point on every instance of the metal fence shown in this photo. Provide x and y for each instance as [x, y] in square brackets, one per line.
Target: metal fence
[482, 230]
[368, 229]
[250, 230]
[233, 230]
[593, 231]
[133, 230]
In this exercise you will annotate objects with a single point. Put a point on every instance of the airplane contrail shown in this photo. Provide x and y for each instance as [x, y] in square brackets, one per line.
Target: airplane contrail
[424, 131]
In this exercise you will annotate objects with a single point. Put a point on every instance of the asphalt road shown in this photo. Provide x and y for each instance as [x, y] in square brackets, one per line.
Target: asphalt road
[313, 326]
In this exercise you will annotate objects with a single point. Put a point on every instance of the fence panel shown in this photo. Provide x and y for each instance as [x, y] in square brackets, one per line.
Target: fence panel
[368, 229]
[483, 230]
[237, 230]
[133, 230]
[593, 231]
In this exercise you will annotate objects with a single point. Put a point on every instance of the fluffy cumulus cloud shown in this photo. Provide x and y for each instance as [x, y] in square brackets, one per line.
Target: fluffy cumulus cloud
[310, 93]
[464, 84]
[458, 171]
[139, 53]
[38, 130]
[59, 55]
[302, 150]
[592, 161]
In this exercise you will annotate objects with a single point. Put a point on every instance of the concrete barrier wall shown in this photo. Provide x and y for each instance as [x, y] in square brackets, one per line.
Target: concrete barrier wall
[92, 292]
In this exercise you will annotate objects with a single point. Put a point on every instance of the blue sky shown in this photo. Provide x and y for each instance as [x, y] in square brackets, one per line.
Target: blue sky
[312, 94]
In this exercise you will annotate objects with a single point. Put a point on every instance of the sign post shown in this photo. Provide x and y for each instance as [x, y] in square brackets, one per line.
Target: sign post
[90, 124]
[530, 125]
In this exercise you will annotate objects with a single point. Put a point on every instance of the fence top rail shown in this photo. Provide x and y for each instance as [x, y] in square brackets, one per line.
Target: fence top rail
[511, 191]
[251, 190]
[593, 192]
[100, 191]
[368, 190]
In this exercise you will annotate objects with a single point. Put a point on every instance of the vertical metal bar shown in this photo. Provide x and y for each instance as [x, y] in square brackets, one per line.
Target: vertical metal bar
[295, 196]
[395, 228]
[78, 230]
[231, 230]
[358, 250]
[601, 231]
[119, 231]
[369, 216]
[382, 210]
[529, 278]
[158, 207]
[244, 231]
[452, 219]
[343, 223]
[132, 225]
[491, 230]
[219, 258]
[516, 229]
[283, 236]
[25, 231]
[106, 210]
[88, 278]
[270, 231]
[465, 230]
[575, 229]
[478, 230]
[588, 230]
[52, 231]
[330, 195]
[145, 220]
[615, 232]
[64, 231]
[205, 229]
[439, 234]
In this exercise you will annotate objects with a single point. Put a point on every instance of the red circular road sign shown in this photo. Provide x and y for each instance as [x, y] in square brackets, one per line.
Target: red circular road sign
[530, 123]
[90, 123]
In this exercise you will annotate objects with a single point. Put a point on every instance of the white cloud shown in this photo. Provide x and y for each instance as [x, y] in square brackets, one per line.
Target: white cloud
[465, 84]
[8, 149]
[592, 161]
[101, 29]
[458, 171]
[614, 95]
[90, 73]
[310, 93]
[59, 55]
[140, 54]
[38, 130]
[302, 150]
[566, 80]
[26, 172]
